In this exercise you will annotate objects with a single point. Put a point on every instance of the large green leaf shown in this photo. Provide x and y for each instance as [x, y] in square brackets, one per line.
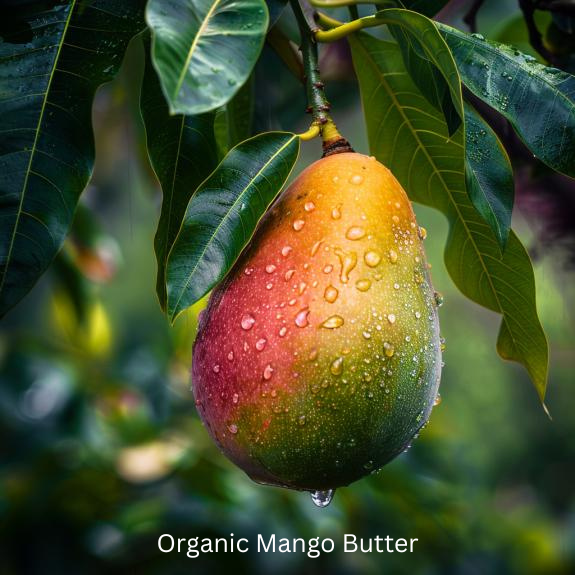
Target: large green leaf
[51, 63]
[489, 175]
[428, 60]
[222, 215]
[183, 153]
[410, 137]
[537, 100]
[204, 50]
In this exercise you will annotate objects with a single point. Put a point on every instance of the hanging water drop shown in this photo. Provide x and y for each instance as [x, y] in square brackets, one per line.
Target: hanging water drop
[322, 498]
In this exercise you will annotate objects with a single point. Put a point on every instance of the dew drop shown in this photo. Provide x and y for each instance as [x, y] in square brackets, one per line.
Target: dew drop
[322, 498]
[367, 335]
[333, 322]
[235, 398]
[421, 232]
[301, 420]
[392, 256]
[309, 207]
[395, 219]
[231, 356]
[372, 258]
[233, 428]
[391, 318]
[282, 331]
[261, 343]
[328, 269]
[302, 287]
[301, 318]
[313, 354]
[316, 247]
[336, 212]
[330, 294]
[288, 275]
[216, 368]
[298, 225]
[363, 285]
[270, 269]
[417, 314]
[348, 261]
[336, 366]
[438, 299]
[269, 286]
[286, 251]
[247, 322]
[248, 271]
[356, 180]
[388, 349]
[268, 372]
[437, 400]
[355, 233]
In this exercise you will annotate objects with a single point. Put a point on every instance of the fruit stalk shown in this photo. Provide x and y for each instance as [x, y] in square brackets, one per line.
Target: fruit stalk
[318, 104]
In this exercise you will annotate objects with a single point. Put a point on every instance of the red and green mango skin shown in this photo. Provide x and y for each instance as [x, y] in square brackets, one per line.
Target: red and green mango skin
[305, 406]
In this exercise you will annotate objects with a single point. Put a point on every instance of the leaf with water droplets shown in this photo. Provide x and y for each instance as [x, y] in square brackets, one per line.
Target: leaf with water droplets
[223, 213]
[183, 153]
[431, 167]
[205, 51]
[538, 101]
[488, 175]
[53, 57]
[428, 60]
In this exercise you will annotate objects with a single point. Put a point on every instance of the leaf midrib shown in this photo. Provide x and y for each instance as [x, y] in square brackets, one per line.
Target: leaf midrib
[225, 218]
[469, 235]
[34, 145]
[194, 46]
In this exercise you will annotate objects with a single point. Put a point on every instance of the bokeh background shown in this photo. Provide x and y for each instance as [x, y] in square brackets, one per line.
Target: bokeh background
[101, 449]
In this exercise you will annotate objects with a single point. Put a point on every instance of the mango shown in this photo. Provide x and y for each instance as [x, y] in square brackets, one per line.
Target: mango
[318, 358]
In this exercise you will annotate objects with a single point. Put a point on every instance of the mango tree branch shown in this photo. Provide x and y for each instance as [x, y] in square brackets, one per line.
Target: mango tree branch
[318, 104]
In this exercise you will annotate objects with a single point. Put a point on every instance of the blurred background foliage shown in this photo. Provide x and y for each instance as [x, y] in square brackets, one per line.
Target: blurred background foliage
[101, 449]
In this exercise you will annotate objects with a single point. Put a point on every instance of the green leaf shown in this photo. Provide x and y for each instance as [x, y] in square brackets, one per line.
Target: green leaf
[204, 50]
[51, 63]
[537, 100]
[183, 153]
[234, 122]
[223, 213]
[428, 60]
[488, 175]
[410, 137]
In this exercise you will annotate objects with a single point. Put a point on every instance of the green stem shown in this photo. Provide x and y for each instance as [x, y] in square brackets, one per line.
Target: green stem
[318, 105]
[343, 30]
[316, 98]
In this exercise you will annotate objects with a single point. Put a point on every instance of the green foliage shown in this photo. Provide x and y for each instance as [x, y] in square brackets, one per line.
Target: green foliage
[538, 101]
[429, 62]
[488, 175]
[47, 150]
[183, 153]
[204, 51]
[433, 173]
[223, 213]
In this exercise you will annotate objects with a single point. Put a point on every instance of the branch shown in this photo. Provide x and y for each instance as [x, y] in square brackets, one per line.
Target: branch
[318, 104]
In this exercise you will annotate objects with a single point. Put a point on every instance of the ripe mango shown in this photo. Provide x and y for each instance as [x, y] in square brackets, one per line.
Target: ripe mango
[318, 358]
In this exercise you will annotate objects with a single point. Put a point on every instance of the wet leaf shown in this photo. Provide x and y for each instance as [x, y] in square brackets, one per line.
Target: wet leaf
[51, 62]
[410, 137]
[222, 215]
[204, 51]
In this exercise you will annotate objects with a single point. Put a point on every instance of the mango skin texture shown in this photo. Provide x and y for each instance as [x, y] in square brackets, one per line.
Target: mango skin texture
[318, 358]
